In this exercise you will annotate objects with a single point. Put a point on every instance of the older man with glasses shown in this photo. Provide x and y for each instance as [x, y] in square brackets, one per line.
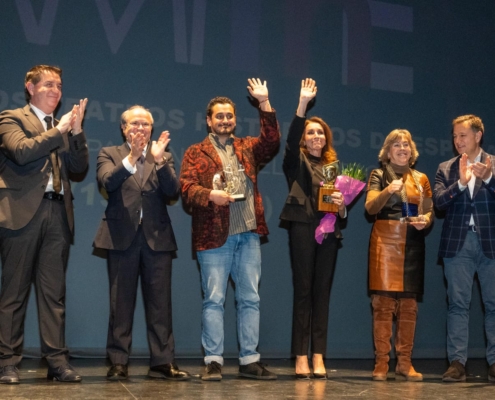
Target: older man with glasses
[139, 177]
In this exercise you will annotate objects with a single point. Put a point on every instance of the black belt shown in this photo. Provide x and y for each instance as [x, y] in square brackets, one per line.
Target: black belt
[53, 196]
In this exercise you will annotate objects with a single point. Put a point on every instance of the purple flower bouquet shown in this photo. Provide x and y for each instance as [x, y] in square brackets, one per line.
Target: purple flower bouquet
[350, 184]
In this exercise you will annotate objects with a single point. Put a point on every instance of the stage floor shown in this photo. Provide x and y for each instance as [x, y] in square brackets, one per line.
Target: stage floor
[349, 379]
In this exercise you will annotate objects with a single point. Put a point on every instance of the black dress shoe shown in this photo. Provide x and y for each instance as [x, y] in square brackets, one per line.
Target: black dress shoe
[117, 372]
[256, 370]
[168, 371]
[9, 374]
[64, 373]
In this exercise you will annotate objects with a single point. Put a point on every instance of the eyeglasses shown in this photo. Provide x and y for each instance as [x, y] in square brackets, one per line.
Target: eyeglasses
[136, 124]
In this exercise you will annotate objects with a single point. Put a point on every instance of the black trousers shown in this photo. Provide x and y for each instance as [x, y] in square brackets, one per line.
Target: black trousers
[155, 270]
[36, 253]
[313, 266]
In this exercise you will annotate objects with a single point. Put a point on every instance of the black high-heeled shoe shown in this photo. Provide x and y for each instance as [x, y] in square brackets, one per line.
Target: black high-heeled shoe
[303, 376]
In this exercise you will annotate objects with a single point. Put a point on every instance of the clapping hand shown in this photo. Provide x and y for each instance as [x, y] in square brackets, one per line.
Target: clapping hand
[66, 121]
[481, 170]
[137, 142]
[78, 116]
[465, 171]
[158, 147]
[73, 119]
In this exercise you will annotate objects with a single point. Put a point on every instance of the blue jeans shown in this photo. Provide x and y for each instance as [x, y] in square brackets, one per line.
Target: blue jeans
[239, 257]
[459, 272]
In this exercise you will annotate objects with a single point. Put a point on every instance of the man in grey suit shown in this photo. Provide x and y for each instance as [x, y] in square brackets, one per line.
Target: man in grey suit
[37, 219]
[139, 177]
[465, 189]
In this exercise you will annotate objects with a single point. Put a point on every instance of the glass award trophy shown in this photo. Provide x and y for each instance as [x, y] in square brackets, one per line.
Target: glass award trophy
[230, 181]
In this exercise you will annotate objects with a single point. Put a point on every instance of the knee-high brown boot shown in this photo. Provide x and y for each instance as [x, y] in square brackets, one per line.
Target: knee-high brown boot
[407, 313]
[383, 315]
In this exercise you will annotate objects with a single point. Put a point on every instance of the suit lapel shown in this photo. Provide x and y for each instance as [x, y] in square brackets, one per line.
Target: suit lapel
[123, 153]
[478, 181]
[210, 151]
[33, 119]
[149, 163]
[37, 129]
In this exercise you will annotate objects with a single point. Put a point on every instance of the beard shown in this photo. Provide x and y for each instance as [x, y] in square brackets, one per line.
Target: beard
[224, 130]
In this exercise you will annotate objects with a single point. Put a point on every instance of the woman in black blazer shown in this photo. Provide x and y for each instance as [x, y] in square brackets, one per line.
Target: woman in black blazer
[309, 147]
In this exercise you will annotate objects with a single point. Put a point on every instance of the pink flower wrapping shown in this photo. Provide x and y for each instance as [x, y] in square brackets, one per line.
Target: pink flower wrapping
[350, 188]
[327, 224]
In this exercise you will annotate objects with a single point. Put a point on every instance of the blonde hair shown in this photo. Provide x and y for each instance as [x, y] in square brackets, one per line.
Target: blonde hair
[393, 137]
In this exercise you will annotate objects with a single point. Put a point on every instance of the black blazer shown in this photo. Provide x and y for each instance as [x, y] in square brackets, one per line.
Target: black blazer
[127, 196]
[297, 168]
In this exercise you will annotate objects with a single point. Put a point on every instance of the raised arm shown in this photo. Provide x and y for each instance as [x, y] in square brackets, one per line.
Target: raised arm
[308, 93]
[260, 92]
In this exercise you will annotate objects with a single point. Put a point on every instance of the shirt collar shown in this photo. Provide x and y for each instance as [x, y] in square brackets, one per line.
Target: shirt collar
[216, 140]
[40, 114]
[476, 159]
[144, 150]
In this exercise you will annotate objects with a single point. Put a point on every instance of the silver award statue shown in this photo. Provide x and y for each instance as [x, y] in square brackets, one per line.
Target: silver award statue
[230, 181]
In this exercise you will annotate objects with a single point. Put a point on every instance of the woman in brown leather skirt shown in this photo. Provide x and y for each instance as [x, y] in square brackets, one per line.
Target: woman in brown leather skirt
[400, 199]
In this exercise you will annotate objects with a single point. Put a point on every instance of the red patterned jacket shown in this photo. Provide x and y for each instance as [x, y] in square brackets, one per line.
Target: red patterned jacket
[210, 223]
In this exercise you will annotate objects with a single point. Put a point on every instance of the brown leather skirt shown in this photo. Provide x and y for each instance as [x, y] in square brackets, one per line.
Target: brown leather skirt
[396, 257]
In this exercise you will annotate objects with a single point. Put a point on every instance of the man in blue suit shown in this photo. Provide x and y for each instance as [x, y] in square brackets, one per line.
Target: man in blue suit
[465, 189]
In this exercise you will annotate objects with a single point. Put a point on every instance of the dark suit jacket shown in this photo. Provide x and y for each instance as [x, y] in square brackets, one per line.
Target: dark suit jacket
[460, 205]
[25, 165]
[297, 168]
[210, 222]
[127, 196]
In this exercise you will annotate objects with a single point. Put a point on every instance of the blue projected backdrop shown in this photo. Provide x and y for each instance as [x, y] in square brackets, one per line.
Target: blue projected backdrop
[379, 65]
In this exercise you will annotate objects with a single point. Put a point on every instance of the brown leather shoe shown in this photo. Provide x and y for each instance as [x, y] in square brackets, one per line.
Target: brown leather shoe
[213, 372]
[168, 371]
[455, 373]
[491, 373]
